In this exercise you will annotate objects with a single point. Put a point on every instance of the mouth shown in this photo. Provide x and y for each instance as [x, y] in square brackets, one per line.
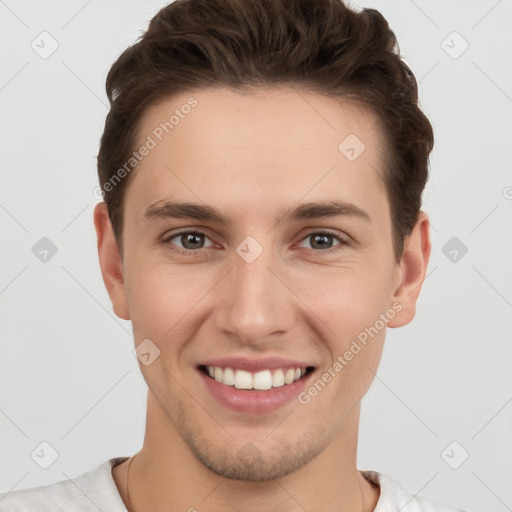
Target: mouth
[262, 380]
[255, 388]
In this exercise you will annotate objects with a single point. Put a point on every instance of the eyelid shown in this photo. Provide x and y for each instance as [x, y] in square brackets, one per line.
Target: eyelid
[168, 237]
[343, 240]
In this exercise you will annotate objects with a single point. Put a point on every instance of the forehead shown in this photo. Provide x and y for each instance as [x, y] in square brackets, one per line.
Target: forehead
[271, 144]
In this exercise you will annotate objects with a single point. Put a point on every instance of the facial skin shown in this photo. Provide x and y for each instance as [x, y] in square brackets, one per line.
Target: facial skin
[253, 158]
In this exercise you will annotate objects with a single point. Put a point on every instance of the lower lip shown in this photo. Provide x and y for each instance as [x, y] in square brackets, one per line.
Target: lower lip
[256, 402]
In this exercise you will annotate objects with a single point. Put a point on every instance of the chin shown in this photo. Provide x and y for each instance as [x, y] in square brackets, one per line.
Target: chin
[253, 460]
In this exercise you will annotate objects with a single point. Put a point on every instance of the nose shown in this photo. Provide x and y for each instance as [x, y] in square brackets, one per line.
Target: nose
[256, 306]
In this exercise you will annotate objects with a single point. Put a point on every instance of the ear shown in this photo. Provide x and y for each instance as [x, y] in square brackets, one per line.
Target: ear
[110, 262]
[413, 267]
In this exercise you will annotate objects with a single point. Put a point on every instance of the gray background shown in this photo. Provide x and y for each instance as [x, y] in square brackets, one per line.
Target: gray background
[67, 373]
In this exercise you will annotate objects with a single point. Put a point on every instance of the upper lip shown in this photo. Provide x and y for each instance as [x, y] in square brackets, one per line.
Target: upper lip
[255, 364]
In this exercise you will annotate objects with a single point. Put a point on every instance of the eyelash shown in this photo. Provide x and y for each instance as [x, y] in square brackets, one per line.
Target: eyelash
[191, 252]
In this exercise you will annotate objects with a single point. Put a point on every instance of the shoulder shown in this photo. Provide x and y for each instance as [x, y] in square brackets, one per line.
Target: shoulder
[46, 498]
[94, 490]
[393, 499]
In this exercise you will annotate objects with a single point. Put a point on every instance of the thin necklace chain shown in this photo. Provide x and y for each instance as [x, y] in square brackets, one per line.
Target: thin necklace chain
[128, 483]
[128, 486]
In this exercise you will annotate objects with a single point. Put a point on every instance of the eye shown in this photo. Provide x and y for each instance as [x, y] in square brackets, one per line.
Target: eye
[324, 241]
[188, 241]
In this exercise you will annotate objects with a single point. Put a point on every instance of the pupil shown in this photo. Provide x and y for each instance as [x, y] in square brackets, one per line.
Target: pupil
[190, 238]
[323, 239]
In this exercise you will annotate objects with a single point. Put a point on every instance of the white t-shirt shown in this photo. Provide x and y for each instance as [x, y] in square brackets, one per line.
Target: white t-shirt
[96, 491]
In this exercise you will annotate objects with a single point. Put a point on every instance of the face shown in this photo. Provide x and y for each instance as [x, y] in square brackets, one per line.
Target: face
[258, 249]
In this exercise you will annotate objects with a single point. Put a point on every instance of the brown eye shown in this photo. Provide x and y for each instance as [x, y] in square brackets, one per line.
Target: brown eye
[192, 240]
[188, 240]
[322, 241]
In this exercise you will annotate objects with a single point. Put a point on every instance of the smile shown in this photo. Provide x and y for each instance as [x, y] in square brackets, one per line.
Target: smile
[260, 381]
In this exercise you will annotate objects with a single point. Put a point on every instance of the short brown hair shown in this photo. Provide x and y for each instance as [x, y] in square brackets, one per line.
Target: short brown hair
[319, 45]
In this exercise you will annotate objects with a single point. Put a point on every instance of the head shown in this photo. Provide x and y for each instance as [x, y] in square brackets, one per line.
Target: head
[262, 167]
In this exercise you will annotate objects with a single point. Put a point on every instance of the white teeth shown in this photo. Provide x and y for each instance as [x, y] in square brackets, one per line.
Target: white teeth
[243, 379]
[229, 377]
[262, 380]
[289, 376]
[278, 379]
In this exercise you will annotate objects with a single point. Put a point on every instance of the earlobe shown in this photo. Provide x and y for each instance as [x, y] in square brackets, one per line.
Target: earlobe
[110, 262]
[413, 268]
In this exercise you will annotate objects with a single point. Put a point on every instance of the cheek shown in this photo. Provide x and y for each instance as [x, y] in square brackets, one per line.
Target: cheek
[352, 307]
[160, 298]
[348, 300]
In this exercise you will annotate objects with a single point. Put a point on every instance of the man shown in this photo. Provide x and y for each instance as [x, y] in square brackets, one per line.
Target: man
[262, 166]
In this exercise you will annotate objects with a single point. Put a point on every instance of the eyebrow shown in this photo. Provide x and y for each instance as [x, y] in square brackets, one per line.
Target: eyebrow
[311, 210]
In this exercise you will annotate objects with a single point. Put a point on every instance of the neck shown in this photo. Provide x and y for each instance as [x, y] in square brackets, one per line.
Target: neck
[166, 475]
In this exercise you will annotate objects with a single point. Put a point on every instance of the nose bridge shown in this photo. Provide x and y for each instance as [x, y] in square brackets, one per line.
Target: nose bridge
[255, 304]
